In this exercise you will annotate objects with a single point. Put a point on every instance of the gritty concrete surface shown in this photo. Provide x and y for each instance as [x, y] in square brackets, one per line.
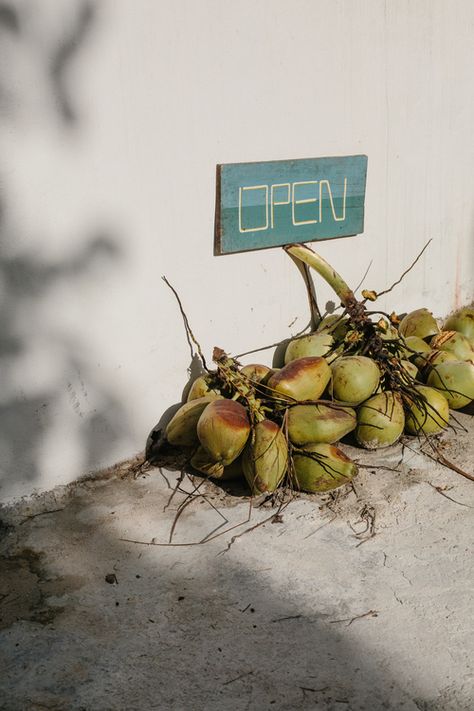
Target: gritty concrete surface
[310, 611]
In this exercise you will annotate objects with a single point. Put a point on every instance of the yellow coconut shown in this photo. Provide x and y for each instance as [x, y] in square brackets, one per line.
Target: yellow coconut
[322, 467]
[380, 421]
[427, 413]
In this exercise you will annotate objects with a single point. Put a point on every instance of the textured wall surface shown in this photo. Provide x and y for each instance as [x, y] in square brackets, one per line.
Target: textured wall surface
[113, 115]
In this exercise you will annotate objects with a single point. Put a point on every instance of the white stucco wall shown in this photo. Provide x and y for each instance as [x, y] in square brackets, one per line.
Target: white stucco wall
[108, 148]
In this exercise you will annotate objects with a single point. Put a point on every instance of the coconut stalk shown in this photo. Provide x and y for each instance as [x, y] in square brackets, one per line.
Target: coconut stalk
[312, 259]
[315, 314]
[365, 337]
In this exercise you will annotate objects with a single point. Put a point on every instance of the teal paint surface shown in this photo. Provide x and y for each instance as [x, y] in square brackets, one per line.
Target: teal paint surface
[262, 205]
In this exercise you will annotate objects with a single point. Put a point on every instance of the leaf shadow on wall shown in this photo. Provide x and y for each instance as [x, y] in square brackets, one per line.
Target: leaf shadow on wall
[27, 414]
[32, 409]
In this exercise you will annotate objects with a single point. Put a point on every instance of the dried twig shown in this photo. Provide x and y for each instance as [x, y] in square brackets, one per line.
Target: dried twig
[365, 274]
[281, 508]
[176, 488]
[440, 490]
[189, 500]
[350, 620]
[396, 283]
[320, 527]
[441, 459]
[241, 676]
[290, 617]
[300, 334]
[41, 513]
[206, 539]
[367, 516]
[190, 337]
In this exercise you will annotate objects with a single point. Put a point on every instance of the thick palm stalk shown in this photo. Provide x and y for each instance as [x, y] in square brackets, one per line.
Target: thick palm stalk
[324, 269]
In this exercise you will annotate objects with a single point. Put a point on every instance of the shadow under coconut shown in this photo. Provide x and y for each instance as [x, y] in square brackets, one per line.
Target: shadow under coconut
[468, 409]
[162, 454]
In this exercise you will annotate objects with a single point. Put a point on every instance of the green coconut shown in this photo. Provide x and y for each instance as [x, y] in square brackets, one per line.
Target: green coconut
[201, 387]
[354, 379]
[455, 380]
[430, 416]
[416, 350]
[302, 379]
[223, 430]
[181, 430]
[420, 323]
[315, 344]
[436, 358]
[256, 372]
[410, 368]
[462, 320]
[265, 457]
[322, 467]
[388, 332]
[454, 342]
[319, 423]
[205, 464]
[380, 420]
[334, 324]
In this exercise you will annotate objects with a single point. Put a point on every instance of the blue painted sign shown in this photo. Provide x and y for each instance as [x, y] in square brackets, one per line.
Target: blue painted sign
[261, 205]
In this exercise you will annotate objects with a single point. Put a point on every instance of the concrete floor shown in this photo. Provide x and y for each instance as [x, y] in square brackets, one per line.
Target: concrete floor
[306, 612]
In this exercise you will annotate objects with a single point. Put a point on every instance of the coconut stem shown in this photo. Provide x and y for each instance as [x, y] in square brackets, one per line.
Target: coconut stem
[324, 269]
[228, 370]
[315, 314]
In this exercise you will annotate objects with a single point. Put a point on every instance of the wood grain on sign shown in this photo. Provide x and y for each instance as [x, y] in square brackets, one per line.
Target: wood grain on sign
[269, 204]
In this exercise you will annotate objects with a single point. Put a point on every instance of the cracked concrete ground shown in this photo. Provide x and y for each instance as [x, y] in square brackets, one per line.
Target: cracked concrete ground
[306, 612]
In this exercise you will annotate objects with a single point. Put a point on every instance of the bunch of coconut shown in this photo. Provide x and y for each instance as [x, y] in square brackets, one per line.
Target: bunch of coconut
[443, 356]
[362, 374]
[244, 422]
[408, 389]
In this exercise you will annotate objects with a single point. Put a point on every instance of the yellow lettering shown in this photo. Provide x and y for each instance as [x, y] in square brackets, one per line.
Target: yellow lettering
[336, 218]
[295, 202]
[261, 227]
[278, 202]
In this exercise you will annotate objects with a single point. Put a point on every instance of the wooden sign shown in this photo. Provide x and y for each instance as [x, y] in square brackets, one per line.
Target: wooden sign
[261, 205]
